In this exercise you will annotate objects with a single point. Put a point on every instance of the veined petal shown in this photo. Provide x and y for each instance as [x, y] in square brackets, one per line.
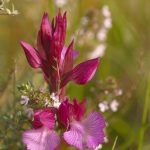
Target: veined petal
[32, 55]
[85, 71]
[86, 134]
[44, 117]
[44, 37]
[75, 136]
[40, 139]
[94, 125]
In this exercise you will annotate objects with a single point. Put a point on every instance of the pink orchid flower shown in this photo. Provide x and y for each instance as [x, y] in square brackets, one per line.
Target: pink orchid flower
[81, 132]
[56, 60]
[42, 137]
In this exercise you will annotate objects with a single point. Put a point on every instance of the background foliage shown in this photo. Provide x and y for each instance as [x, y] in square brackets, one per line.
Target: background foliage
[126, 59]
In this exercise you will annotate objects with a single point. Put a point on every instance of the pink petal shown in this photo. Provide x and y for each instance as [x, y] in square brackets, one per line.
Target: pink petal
[77, 112]
[75, 136]
[58, 39]
[63, 113]
[75, 54]
[44, 37]
[40, 139]
[85, 71]
[94, 125]
[67, 64]
[32, 55]
[63, 52]
[86, 134]
[65, 79]
[44, 117]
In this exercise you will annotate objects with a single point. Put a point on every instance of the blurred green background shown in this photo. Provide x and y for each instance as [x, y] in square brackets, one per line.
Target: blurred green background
[126, 59]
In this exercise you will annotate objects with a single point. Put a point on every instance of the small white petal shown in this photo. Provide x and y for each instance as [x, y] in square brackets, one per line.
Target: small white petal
[103, 106]
[105, 11]
[114, 105]
[98, 52]
[105, 139]
[60, 3]
[24, 100]
[102, 34]
[107, 23]
[98, 147]
[118, 92]
[29, 112]
[57, 104]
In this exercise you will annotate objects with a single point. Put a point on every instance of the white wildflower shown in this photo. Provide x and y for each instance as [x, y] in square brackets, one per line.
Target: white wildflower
[55, 98]
[108, 23]
[118, 92]
[102, 34]
[42, 89]
[56, 104]
[114, 105]
[105, 139]
[103, 106]
[46, 102]
[24, 100]
[29, 112]
[60, 3]
[98, 147]
[98, 52]
[105, 11]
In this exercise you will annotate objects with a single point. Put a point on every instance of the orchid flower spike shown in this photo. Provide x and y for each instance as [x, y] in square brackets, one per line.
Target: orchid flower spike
[56, 60]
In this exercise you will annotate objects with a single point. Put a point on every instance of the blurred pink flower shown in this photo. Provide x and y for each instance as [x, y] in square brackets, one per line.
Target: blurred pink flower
[42, 137]
[81, 132]
[55, 60]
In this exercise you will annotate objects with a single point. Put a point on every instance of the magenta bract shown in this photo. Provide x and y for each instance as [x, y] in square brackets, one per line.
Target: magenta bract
[70, 112]
[56, 60]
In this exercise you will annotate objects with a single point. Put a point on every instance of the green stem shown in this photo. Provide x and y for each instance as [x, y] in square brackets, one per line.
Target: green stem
[145, 112]
[113, 148]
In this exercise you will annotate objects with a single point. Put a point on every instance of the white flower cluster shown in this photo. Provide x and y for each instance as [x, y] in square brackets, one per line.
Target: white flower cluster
[60, 3]
[24, 102]
[103, 106]
[113, 105]
[102, 34]
[55, 98]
